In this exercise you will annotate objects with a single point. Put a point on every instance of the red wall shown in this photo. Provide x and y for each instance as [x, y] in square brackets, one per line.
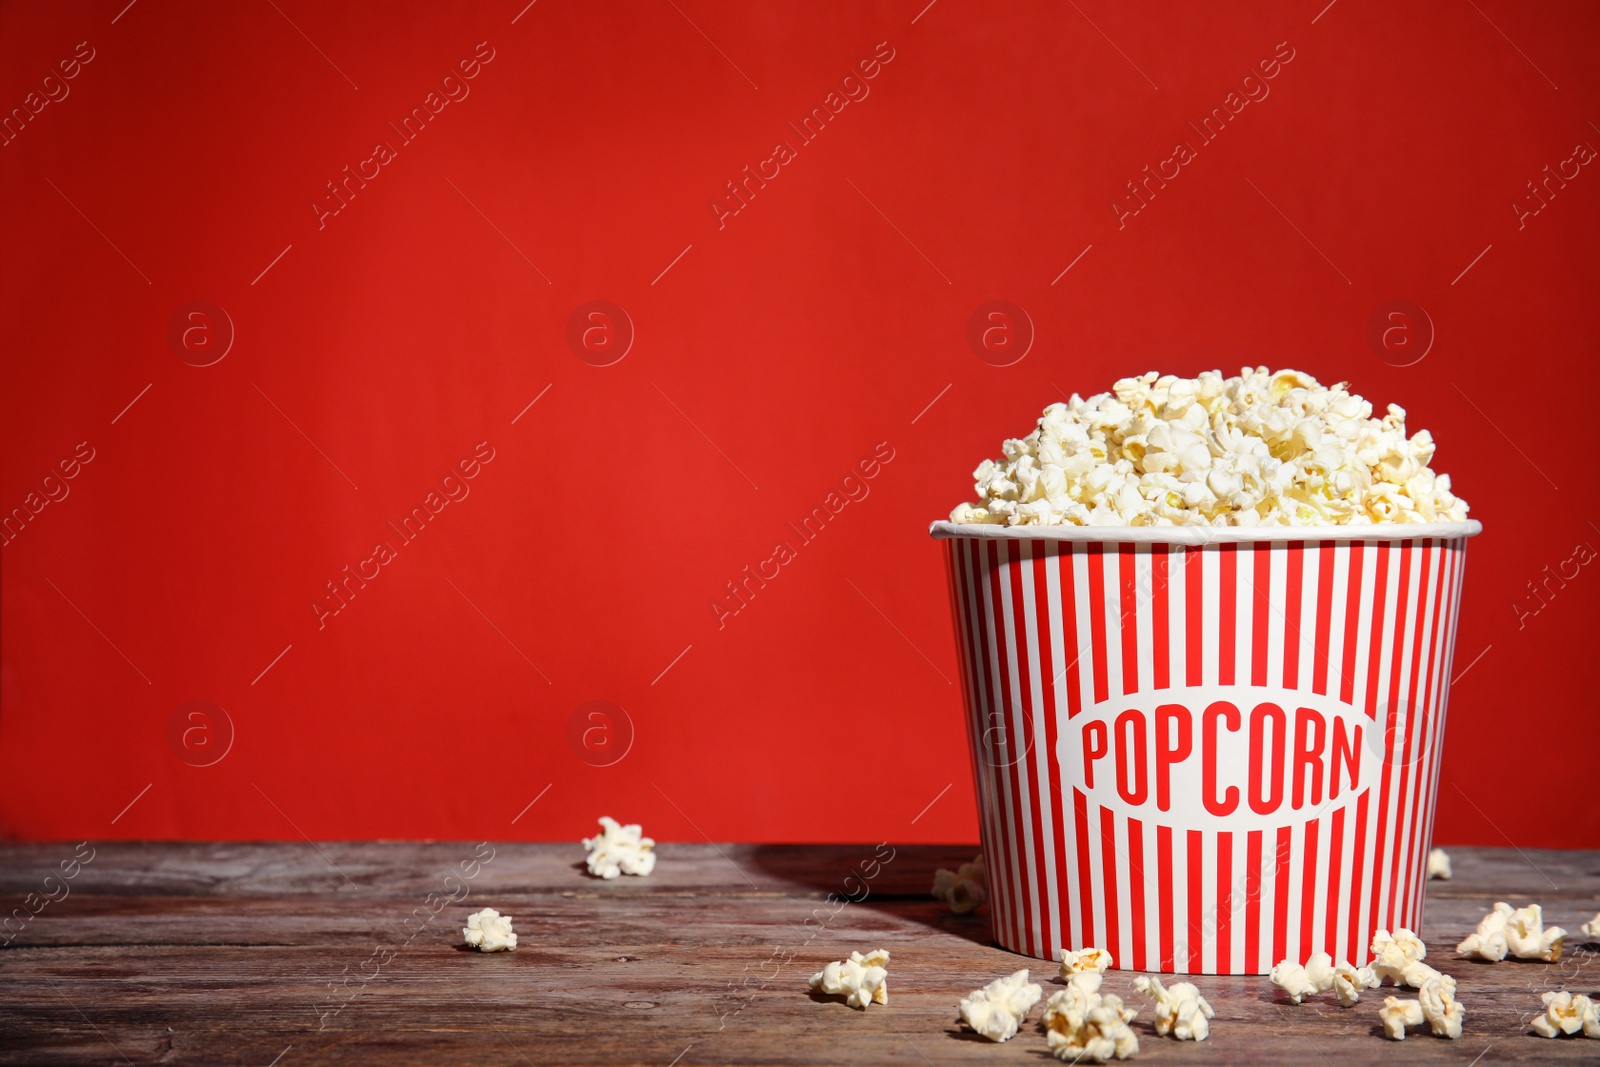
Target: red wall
[774, 350]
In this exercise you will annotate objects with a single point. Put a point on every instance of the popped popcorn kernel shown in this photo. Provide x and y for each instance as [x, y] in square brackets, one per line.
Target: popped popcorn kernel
[1517, 932]
[619, 849]
[489, 931]
[1565, 1014]
[1085, 1025]
[1260, 449]
[998, 1009]
[1439, 864]
[1527, 937]
[1181, 1012]
[1319, 970]
[1591, 929]
[1085, 967]
[1441, 1009]
[861, 980]
[1349, 981]
[1291, 977]
[1397, 1015]
[963, 889]
[1319, 974]
[1394, 953]
[1488, 942]
[1416, 974]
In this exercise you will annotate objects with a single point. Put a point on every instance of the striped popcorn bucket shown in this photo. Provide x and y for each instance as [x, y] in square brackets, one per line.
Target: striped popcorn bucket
[1205, 749]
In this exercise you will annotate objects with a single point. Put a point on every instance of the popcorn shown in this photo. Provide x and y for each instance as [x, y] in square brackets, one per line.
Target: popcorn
[1084, 967]
[964, 889]
[1437, 996]
[1528, 939]
[1398, 1014]
[1181, 1011]
[619, 849]
[1400, 960]
[1260, 449]
[1076, 995]
[1488, 942]
[1439, 864]
[1293, 980]
[861, 980]
[1319, 969]
[1349, 981]
[1085, 1025]
[996, 1010]
[1436, 1005]
[489, 931]
[1319, 975]
[1591, 929]
[1416, 974]
[1566, 1014]
[1395, 953]
[1518, 932]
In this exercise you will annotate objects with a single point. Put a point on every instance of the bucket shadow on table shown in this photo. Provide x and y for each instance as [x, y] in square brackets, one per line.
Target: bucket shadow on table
[895, 882]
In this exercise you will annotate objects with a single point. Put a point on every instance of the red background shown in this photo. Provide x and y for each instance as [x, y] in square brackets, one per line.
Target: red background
[818, 322]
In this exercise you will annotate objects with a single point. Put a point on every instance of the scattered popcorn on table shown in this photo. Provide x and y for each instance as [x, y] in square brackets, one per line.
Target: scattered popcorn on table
[619, 849]
[1591, 929]
[1437, 996]
[1260, 449]
[964, 889]
[489, 931]
[1527, 937]
[996, 1010]
[1085, 1025]
[1439, 864]
[861, 980]
[1181, 1012]
[1398, 1014]
[1566, 1014]
[1394, 953]
[1349, 981]
[1084, 967]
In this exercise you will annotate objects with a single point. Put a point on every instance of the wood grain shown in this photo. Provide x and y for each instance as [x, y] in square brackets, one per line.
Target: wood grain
[224, 954]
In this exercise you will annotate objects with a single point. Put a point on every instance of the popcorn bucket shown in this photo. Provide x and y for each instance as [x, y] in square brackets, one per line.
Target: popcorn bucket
[1205, 749]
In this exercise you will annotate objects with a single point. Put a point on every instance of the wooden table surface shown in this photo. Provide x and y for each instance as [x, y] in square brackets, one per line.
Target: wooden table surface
[335, 953]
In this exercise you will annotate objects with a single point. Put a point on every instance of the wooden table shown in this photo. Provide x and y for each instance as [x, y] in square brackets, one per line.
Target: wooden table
[298, 954]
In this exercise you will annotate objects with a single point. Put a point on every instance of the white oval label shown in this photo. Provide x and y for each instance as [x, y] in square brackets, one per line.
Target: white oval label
[1216, 757]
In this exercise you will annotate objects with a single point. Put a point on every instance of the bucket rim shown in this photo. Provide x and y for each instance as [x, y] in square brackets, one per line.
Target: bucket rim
[1208, 535]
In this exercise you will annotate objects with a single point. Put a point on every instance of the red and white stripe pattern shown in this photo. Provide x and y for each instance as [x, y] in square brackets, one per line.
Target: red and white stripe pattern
[1050, 628]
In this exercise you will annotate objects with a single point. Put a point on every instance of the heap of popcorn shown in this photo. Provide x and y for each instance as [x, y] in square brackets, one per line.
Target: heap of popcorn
[1261, 449]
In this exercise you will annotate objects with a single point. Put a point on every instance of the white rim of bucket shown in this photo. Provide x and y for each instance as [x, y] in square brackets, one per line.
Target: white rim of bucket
[1209, 535]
